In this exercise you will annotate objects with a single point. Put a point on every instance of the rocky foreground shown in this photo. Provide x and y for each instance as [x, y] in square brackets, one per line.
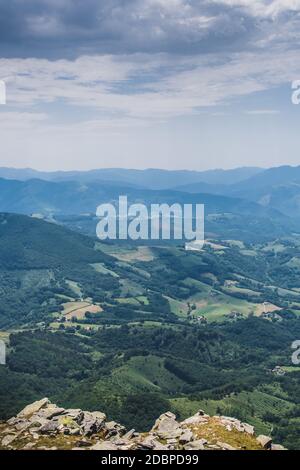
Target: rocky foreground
[45, 426]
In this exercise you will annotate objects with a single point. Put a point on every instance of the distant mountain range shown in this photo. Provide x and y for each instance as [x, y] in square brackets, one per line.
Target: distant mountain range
[73, 197]
[75, 192]
[277, 188]
[150, 179]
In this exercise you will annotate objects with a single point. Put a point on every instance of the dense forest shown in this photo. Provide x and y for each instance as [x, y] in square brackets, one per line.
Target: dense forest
[160, 367]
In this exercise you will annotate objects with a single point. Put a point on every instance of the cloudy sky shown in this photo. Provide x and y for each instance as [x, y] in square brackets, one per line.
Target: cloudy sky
[149, 83]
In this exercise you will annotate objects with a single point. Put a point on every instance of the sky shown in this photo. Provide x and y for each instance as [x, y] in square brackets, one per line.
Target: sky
[175, 84]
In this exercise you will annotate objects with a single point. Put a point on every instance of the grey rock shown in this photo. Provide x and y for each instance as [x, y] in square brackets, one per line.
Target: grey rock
[29, 446]
[14, 421]
[159, 446]
[92, 423]
[172, 441]
[232, 423]
[120, 441]
[104, 446]
[74, 414]
[37, 421]
[114, 429]
[166, 427]
[130, 434]
[195, 445]
[265, 441]
[74, 432]
[249, 429]
[22, 426]
[151, 443]
[147, 443]
[187, 437]
[198, 418]
[33, 408]
[50, 412]
[83, 443]
[19, 424]
[7, 440]
[225, 446]
[49, 428]
[277, 447]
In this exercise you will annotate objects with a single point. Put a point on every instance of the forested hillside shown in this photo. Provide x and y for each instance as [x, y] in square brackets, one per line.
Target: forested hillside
[136, 330]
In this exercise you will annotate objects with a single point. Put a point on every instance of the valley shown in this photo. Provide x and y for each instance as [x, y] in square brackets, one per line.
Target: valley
[136, 330]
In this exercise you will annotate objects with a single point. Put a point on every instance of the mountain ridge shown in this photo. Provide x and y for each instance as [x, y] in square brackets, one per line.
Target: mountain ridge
[151, 178]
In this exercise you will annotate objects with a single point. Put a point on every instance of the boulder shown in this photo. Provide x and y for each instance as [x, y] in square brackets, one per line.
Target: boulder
[198, 418]
[51, 427]
[187, 437]
[195, 445]
[265, 441]
[130, 434]
[7, 440]
[33, 408]
[14, 421]
[83, 443]
[249, 429]
[92, 423]
[113, 429]
[104, 445]
[74, 414]
[277, 447]
[151, 443]
[22, 425]
[148, 443]
[225, 446]
[29, 446]
[50, 411]
[166, 427]
[37, 421]
[73, 432]
[67, 425]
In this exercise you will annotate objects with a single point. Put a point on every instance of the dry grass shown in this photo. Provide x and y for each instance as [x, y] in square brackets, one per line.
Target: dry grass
[266, 308]
[215, 432]
[78, 310]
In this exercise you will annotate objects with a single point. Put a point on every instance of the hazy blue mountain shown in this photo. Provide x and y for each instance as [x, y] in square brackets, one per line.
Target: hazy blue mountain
[74, 204]
[225, 177]
[151, 178]
[50, 198]
[277, 188]
[269, 178]
[201, 187]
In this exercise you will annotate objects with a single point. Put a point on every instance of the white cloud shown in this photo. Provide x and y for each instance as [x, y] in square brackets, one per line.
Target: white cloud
[264, 8]
[146, 87]
[21, 121]
[262, 112]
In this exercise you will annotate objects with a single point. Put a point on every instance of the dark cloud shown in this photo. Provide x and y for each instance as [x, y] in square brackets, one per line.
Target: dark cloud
[69, 28]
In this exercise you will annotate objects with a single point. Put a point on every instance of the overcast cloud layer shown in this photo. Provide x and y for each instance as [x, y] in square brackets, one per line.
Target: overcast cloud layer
[140, 82]
[69, 28]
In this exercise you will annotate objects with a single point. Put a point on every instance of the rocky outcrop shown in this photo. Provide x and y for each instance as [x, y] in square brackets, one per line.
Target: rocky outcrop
[34, 408]
[43, 425]
[265, 441]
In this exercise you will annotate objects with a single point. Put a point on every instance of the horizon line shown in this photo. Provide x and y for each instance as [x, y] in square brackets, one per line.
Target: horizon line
[144, 169]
